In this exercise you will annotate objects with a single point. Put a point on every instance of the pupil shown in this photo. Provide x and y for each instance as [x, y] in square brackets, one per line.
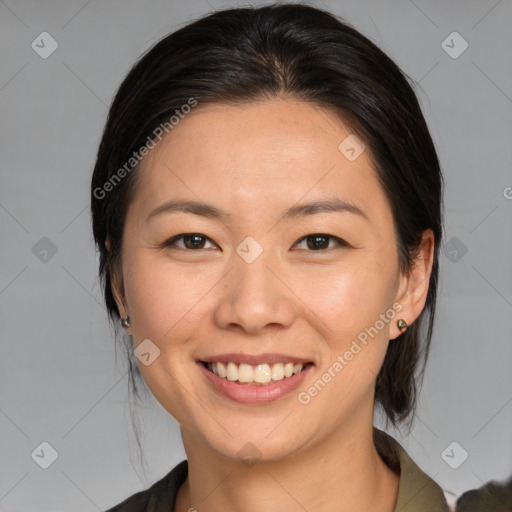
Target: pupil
[317, 242]
[194, 238]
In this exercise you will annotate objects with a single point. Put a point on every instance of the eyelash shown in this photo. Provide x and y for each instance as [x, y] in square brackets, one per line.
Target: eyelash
[172, 241]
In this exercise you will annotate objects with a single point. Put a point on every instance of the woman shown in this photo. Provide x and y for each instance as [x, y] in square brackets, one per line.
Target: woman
[267, 204]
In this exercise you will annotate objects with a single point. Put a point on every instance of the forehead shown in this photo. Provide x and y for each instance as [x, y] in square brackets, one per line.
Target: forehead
[275, 151]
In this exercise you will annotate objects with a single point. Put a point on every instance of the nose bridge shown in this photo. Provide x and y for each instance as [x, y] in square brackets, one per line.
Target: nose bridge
[255, 296]
[252, 271]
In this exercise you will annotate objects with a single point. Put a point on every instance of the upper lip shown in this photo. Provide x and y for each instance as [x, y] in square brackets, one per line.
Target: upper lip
[253, 359]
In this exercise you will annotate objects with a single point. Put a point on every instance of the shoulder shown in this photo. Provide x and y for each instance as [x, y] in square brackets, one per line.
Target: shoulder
[417, 491]
[159, 496]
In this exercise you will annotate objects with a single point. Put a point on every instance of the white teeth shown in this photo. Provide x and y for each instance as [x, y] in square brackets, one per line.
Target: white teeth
[254, 374]
[221, 370]
[277, 371]
[245, 373]
[297, 368]
[262, 374]
[231, 371]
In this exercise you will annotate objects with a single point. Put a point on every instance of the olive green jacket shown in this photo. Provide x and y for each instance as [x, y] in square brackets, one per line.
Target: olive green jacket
[417, 492]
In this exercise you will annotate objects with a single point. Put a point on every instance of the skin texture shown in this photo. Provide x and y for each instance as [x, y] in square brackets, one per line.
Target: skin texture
[255, 161]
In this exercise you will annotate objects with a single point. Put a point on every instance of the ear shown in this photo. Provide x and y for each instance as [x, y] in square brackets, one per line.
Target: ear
[117, 288]
[413, 288]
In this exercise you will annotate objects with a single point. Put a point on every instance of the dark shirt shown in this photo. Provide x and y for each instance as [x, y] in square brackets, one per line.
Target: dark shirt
[417, 492]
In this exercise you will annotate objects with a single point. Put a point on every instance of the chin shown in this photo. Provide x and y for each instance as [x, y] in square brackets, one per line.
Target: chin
[252, 441]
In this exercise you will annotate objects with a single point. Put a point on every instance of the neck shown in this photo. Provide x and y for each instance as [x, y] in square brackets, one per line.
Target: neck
[342, 473]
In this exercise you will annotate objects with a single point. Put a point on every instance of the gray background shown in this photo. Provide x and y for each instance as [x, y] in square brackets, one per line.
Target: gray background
[59, 379]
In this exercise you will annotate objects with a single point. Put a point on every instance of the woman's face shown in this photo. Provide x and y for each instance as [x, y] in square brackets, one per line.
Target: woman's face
[252, 283]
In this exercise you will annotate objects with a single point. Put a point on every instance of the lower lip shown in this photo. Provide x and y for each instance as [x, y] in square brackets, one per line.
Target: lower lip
[244, 393]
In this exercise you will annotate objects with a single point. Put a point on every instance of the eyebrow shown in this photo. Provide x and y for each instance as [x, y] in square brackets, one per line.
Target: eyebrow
[301, 210]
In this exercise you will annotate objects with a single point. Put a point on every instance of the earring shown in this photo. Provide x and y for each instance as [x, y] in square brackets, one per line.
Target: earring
[402, 325]
[126, 322]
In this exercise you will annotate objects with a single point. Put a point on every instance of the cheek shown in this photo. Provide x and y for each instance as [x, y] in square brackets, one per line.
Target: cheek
[356, 306]
[353, 298]
[162, 296]
[161, 301]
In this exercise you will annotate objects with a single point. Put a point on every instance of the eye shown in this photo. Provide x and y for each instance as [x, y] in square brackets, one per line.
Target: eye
[320, 242]
[191, 241]
[196, 241]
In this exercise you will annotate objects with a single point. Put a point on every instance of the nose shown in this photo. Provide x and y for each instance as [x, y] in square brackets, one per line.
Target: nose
[255, 296]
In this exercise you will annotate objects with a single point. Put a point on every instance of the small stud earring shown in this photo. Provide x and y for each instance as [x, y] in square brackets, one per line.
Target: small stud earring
[126, 322]
[402, 324]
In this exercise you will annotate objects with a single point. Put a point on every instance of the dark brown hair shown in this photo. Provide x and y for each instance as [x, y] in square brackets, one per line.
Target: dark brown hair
[295, 51]
[491, 497]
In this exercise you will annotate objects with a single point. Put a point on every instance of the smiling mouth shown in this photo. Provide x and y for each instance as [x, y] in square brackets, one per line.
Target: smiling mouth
[255, 375]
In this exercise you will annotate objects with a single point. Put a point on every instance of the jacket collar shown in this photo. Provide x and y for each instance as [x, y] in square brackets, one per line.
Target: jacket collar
[417, 492]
